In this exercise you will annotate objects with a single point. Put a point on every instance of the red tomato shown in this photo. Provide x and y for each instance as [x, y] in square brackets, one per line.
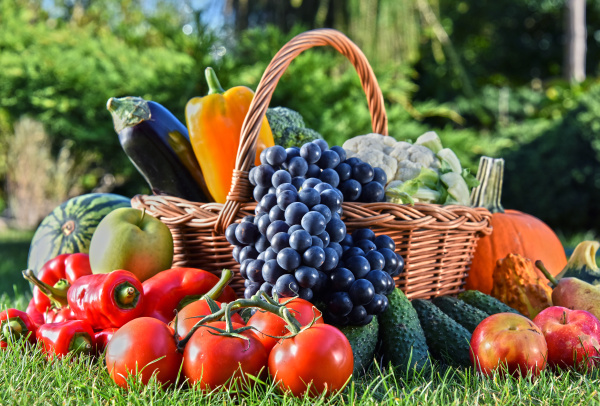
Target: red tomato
[320, 354]
[188, 316]
[273, 325]
[138, 344]
[211, 360]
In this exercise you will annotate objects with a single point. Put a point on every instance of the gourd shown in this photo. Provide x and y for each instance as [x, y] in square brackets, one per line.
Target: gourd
[514, 232]
[582, 263]
[519, 284]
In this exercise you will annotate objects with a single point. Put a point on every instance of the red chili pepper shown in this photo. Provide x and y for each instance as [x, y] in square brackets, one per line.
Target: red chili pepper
[67, 267]
[172, 289]
[34, 314]
[107, 299]
[103, 337]
[15, 324]
[59, 339]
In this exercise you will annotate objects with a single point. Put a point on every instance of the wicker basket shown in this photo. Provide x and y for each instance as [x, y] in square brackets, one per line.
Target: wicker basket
[437, 242]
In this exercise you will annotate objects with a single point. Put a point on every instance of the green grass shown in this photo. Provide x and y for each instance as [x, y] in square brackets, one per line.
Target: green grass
[14, 247]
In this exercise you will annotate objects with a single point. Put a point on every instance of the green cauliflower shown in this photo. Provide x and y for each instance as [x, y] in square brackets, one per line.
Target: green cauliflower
[288, 128]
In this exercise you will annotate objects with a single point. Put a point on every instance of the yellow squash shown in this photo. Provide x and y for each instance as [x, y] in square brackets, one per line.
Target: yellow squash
[215, 123]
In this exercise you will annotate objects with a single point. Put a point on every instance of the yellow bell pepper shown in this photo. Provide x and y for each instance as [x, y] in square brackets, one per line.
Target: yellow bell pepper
[215, 123]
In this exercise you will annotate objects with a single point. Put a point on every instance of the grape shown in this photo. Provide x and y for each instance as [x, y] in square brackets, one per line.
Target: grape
[311, 182]
[353, 161]
[313, 257]
[363, 234]
[297, 166]
[322, 144]
[247, 252]
[297, 181]
[306, 276]
[384, 241]
[324, 236]
[329, 159]
[336, 229]
[352, 252]
[324, 210]
[263, 157]
[263, 175]
[270, 254]
[321, 187]
[344, 171]
[230, 234]
[391, 260]
[275, 155]
[288, 259]
[348, 241]
[247, 283]
[300, 240]
[366, 245]
[276, 213]
[278, 226]
[372, 192]
[340, 151]
[361, 292]
[243, 267]
[261, 255]
[262, 244]
[251, 290]
[313, 171]
[358, 316]
[267, 288]
[330, 177]
[377, 305]
[321, 281]
[317, 242]
[271, 271]
[268, 201]
[379, 176]
[294, 228]
[400, 267]
[311, 152]
[358, 265]
[331, 199]
[236, 252]
[313, 222]
[280, 241]
[285, 198]
[341, 279]
[306, 294]
[376, 259]
[331, 259]
[339, 303]
[259, 192]
[272, 189]
[251, 174]
[246, 233]
[309, 196]
[337, 247]
[295, 212]
[254, 270]
[248, 219]
[281, 177]
[263, 223]
[363, 172]
[259, 209]
[292, 152]
[391, 283]
[351, 189]
[285, 186]
[287, 285]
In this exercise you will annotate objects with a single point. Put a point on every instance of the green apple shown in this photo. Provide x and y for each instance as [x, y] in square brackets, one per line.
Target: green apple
[132, 240]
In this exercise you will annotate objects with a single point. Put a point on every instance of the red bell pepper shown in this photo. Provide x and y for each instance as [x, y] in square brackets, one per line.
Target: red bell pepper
[103, 337]
[59, 339]
[172, 289]
[107, 299]
[34, 314]
[58, 315]
[60, 272]
[15, 324]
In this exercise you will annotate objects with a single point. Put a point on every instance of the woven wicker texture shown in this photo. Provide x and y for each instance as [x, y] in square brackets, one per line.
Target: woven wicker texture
[437, 242]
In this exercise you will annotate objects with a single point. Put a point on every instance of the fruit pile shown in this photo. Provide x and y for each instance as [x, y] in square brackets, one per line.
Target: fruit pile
[297, 244]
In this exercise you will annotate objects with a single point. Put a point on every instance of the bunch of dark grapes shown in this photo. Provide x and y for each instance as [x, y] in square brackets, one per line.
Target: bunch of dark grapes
[359, 286]
[295, 243]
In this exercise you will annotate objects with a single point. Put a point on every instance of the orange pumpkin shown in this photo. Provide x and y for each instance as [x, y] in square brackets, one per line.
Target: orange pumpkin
[514, 232]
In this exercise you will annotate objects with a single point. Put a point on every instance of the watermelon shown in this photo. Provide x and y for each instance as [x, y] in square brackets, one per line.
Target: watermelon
[69, 227]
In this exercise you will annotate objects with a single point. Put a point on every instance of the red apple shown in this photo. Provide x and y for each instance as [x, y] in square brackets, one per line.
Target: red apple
[510, 339]
[573, 336]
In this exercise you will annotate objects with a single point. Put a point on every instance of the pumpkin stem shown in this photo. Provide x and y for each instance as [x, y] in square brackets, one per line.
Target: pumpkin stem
[490, 175]
[547, 274]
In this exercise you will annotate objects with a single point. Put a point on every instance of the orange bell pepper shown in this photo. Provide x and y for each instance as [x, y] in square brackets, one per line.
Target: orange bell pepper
[215, 123]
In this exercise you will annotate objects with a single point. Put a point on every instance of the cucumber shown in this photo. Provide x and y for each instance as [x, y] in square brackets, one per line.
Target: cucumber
[466, 315]
[487, 303]
[363, 340]
[448, 341]
[403, 342]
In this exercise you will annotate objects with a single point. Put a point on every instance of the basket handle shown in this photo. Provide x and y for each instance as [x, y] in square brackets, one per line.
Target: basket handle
[240, 186]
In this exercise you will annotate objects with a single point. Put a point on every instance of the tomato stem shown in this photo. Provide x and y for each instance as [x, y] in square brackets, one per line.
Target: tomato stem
[57, 293]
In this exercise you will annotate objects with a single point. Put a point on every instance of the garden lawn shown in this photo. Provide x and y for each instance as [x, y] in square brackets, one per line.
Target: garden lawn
[14, 247]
